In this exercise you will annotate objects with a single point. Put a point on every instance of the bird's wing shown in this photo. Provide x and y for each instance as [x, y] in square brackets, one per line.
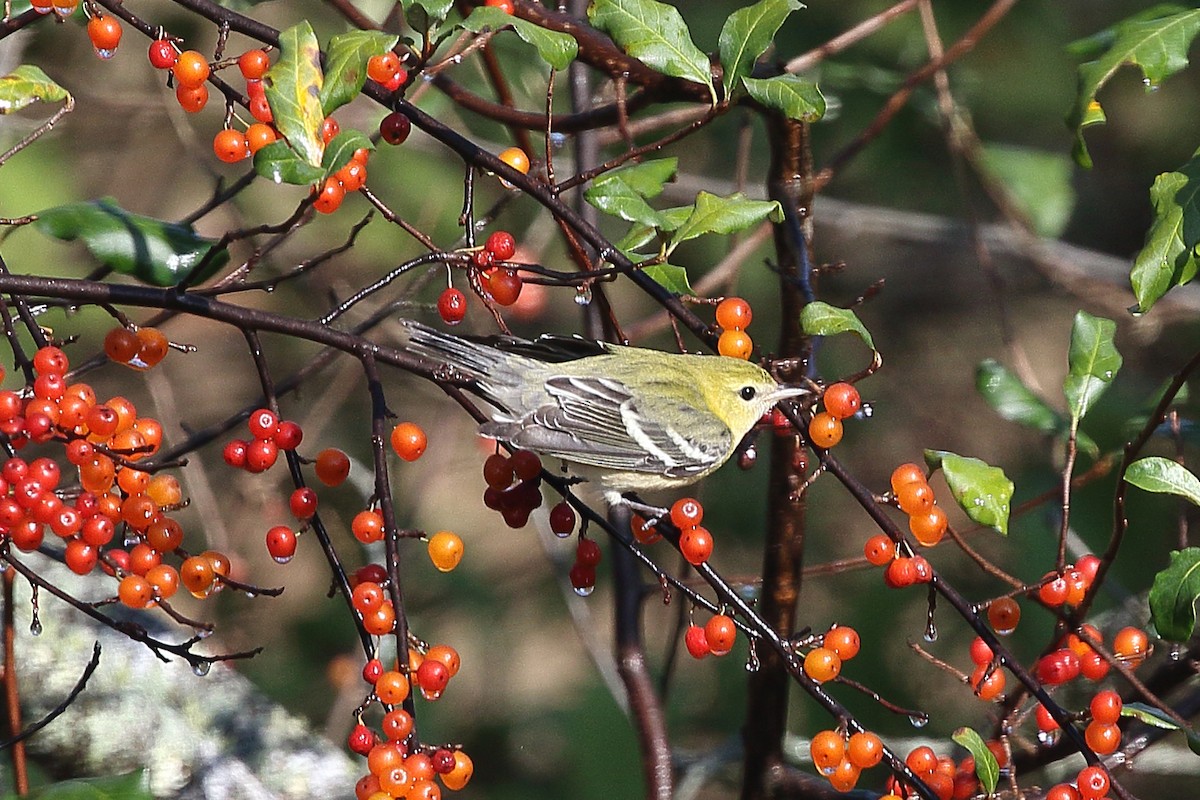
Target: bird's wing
[596, 421]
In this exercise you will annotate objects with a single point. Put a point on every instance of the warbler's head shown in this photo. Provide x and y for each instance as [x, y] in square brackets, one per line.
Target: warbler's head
[740, 392]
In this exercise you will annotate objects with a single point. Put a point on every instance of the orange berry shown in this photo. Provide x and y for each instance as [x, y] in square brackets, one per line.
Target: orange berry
[733, 314]
[735, 344]
[825, 430]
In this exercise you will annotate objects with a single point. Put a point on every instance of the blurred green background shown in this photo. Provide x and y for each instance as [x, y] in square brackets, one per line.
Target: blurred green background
[530, 705]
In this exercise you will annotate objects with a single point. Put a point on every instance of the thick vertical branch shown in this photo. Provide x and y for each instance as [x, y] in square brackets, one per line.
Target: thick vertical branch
[766, 713]
[12, 697]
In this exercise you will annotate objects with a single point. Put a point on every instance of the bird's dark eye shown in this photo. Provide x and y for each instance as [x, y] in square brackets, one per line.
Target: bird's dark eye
[748, 392]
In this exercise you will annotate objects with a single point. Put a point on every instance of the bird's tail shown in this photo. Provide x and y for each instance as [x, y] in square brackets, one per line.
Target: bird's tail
[485, 364]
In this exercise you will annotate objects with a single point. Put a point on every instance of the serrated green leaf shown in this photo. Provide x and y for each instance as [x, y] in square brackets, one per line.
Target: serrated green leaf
[153, 251]
[282, 164]
[1093, 362]
[1164, 476]
[1169, 257]
[619, 200]
[655, 34]
[986, 766]
[346, 65]
[556, 49]
[27, 85]
[797, 98]
[132, 786]
[293, 86]
[746, 35]
[822, 319]
[341, 149]
[981, 490]
[1156, 46]
[672, 278]
[1175, 591]
[1039, 183]
[724, 215]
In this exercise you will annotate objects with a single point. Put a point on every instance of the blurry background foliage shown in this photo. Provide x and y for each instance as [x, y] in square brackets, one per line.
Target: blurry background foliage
[529, 705]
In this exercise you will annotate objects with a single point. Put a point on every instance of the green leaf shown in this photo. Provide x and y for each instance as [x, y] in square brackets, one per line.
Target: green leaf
[293, 85]
[1157, 46]
[983, 491]
[1174, 593]
[647, 178]
[622, 192]
[986, 766]
[341, 149]
[556, 49]
[153, 251]
[1093, 363]
[822, 319]
[655, 34]
[346, 65]
[1039, 183]
[1149, 715]
[672, 278]
[1169, 257]
[1015, 402]
[714, 214]
[424, 14]
[27, 85]
[1164, 476]
[746, 35]
[132, 786]
[798, 98]
[642, 234]
[282, 164]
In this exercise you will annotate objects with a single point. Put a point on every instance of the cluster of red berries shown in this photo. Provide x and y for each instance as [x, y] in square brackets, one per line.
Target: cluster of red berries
[1070, 586]
[103, 441]
[513, 485]
[733, 317]
[715, 638]
[1091, 783]
[841, 401]
[947, 779]
[139, 349]
[914, 496]
[824, 662]
[695, 541]
[370, 599]
[269, 436]
[840, 758]
[901, 570]
[394, 772]
[62, 8]
[387, 70]
[502, 284]
[583, 571]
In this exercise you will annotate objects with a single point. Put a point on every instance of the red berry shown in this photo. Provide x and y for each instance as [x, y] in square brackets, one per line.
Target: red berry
[686, 512]
[733, 314]
[981, 653]
[281, 543]
[409, 441]
[432, 676]
[879, 550]
[288, 435]
[696, 642]
[261, 455]
[333, 466]
[504, 285]
[452, 306]
[105, 33]
[696, 545]
[263, 423]
[720, 632]
[587, 552]
[361, 740]
[842, 400]
[1106, 707]
[1093, 783]
[303, 503]
[395, 127]
[501, 245]
[562, 519]
[254, 64]
[163, 54]
[235, 453]
[526, 465]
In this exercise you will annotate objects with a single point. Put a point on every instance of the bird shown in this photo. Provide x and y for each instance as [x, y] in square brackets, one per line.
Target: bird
[628, 419]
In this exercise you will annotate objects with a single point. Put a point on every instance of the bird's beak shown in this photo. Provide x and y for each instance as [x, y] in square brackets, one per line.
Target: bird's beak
[784, 392]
